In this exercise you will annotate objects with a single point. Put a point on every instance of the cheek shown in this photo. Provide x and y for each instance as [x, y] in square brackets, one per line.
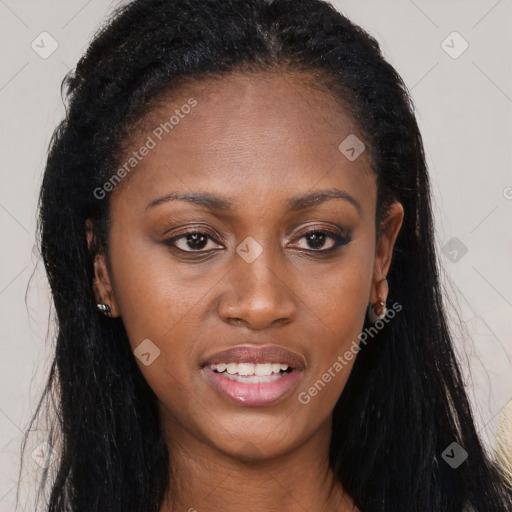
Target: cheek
[156, 297]
[160, 310]
[337, 295]
[160, 304]
[335, 305]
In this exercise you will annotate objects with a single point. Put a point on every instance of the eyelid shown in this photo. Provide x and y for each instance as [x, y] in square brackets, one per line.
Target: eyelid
[328, 229]
[188, 230]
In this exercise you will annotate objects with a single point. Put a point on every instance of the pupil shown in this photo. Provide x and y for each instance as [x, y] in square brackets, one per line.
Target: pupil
[316, 240]
[196, 240]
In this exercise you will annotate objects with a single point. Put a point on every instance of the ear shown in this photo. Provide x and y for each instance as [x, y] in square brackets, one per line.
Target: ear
[384, 251]
[101, 284]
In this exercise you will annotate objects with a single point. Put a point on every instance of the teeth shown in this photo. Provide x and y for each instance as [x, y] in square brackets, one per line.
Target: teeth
[252, 379]
[249, 369]
[232, 368]
[245, 369]
[261, 370]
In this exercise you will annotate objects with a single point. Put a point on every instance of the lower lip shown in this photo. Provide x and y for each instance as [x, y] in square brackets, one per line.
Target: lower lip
[253, 394]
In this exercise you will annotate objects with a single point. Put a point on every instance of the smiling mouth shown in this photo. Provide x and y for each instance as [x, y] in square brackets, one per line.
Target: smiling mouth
[251, 375]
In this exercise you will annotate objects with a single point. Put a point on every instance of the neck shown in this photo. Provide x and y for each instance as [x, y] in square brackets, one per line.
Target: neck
[206, 479]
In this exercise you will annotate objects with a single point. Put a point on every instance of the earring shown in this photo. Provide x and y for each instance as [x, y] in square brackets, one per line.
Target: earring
[104, 308]
[377, 311]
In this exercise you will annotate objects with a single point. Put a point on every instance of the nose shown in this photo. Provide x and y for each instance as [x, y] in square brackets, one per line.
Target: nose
[257, 295]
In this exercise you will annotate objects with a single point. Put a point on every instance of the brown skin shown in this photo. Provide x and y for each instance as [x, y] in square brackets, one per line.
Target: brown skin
[257, 141]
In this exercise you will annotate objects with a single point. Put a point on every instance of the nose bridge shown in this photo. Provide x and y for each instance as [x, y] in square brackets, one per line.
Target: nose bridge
[258, 293]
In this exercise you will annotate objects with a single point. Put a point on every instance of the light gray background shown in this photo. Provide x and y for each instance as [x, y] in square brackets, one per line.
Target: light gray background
[464, 110]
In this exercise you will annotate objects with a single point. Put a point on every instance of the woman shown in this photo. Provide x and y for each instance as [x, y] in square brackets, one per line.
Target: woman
[237, 230]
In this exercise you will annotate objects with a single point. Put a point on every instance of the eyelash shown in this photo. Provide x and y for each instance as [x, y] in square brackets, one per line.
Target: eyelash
[338, 238]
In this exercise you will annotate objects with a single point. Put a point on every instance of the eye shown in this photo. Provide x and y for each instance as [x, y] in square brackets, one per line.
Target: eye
[191, 241]
[317, 239]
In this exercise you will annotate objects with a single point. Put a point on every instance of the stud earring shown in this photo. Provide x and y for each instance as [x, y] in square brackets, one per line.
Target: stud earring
[104, 308]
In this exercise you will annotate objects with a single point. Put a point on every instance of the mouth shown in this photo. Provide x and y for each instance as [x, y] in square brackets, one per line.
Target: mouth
[254, 376]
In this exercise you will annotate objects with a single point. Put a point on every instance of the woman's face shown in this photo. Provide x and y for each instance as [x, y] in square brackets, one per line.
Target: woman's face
[248, 311]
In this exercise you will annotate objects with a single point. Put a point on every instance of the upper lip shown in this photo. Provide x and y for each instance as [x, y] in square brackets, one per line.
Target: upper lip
[255, 355]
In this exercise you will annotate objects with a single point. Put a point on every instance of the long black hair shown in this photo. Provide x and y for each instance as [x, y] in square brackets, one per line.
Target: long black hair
[404, 402]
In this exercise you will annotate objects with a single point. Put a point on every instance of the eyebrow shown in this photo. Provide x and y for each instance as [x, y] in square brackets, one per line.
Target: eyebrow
[214, 202]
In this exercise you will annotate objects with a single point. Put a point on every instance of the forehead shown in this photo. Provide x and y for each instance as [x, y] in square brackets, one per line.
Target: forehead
[262, 133]
[285, 107]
